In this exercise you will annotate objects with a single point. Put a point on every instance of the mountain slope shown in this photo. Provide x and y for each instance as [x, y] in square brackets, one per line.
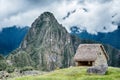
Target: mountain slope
[111, 38]
[46, 46]
[10, 38]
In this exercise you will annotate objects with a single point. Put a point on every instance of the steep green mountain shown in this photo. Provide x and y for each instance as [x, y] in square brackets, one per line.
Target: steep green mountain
[114, 55]
[48, 46]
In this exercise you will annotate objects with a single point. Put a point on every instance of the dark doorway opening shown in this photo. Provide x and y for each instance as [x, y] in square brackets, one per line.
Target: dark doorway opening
[85, 63]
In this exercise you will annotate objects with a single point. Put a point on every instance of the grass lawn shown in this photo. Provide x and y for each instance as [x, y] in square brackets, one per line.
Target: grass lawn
[75, 73]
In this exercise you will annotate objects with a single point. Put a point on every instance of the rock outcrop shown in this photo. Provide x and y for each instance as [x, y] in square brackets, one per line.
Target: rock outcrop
[101, 69]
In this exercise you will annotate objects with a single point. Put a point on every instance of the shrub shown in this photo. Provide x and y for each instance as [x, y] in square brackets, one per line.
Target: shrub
[1, 57]
[10, 69]
[21, 60]
[3, 65]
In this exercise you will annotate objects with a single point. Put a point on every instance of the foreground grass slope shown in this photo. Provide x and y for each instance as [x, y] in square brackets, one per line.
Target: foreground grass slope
[75, 73]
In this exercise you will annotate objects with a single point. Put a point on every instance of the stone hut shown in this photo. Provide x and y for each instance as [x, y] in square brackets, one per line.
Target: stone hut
[91, 55]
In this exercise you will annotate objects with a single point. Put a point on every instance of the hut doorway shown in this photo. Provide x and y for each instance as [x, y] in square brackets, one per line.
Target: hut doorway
[85, 63]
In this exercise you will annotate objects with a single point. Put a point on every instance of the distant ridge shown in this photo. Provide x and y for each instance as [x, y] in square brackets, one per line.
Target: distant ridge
[111, 38]
[10, 38]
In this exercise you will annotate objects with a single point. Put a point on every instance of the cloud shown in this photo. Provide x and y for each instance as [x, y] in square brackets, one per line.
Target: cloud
[21, 19]
[91, 15]
[98, 17]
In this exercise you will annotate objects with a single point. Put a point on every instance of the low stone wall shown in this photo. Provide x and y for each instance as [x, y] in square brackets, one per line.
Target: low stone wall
[34, 72]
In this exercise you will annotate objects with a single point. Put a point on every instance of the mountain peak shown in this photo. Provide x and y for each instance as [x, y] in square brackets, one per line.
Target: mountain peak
[47, 14]
[44, 18]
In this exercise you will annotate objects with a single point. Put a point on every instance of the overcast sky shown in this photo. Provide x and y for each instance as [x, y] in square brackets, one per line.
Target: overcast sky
[91, 15]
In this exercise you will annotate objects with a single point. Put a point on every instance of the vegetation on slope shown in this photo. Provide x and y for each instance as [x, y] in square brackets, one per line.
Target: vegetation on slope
[75, 73]
[46, 46]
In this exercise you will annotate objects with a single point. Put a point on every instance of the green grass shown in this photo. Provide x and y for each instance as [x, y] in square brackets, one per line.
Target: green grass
[75, 73]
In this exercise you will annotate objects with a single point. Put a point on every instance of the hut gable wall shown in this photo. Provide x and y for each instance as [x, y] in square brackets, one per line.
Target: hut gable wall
[91, 53]
[101, 57]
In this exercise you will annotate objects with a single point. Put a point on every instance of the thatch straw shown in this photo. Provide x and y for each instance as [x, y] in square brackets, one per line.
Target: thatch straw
[88, 52]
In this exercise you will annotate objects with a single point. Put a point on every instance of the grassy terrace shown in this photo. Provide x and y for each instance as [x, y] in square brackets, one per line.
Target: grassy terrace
[74, 73]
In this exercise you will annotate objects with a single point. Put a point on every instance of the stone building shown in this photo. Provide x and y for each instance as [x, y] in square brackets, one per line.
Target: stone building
[91, 55]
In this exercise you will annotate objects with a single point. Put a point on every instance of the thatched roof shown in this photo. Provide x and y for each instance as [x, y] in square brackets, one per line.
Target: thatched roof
[88, 52]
